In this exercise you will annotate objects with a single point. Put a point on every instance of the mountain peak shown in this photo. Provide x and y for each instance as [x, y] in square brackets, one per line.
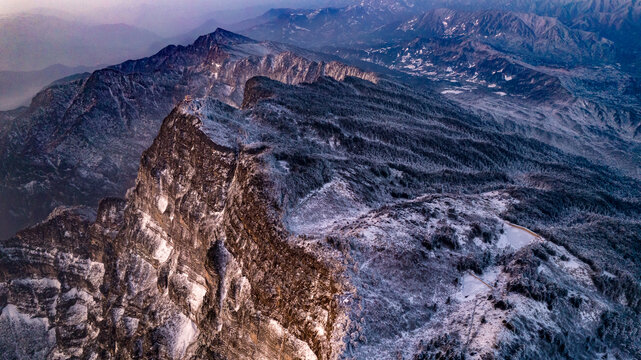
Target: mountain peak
[221, 37]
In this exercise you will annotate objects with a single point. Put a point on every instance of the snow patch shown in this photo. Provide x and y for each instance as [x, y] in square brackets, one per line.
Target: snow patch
[76, 314]
[160, 248]
[313, 14]
[284, 165]
[476, 285]
[451, 91]
[196, 291]
[334, 202]
[300, 28]
[179, 332]
[515, 237]
[23, 336]
[162, 203]
[302, 350]
[140, 275]
[196, 296]
[90, 270]
[163, 251]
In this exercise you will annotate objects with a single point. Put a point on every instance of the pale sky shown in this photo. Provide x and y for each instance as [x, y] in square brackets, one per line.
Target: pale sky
[74, 6]
[83, 6]
[164, 17]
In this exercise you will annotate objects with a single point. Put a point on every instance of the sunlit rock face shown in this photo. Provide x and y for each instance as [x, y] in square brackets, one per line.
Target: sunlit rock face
[52, 283]
[324, 221]
[217, 257]
[195, 263]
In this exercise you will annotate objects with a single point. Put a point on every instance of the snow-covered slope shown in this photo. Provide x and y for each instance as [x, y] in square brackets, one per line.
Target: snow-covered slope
[530, 37]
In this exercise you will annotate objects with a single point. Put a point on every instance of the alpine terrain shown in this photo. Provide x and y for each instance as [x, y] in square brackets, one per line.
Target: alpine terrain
[370, 180]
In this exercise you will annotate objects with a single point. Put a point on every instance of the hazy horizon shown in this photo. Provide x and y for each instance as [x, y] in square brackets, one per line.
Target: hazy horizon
[80, 7]
[164, 17]
[70, 33]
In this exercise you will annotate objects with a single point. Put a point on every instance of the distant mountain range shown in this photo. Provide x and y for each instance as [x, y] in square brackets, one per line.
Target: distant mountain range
[320, 27]
[18, 87]
[25, 38]
[527, 63]
[617, 21]
[498, 48]
[532, 38]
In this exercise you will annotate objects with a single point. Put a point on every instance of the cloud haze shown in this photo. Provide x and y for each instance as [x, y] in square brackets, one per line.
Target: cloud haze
[83, 6]
[164, 17]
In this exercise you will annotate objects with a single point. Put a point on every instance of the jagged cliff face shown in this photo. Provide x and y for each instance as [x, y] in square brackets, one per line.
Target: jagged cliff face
[195, 263]
[52, 283]
[213, 235]
[300, 227]
[81, 140]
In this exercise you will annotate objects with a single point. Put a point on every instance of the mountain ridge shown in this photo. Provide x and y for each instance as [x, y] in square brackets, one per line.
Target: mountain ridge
[21, 86]
[91, 116]
[544, 37]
